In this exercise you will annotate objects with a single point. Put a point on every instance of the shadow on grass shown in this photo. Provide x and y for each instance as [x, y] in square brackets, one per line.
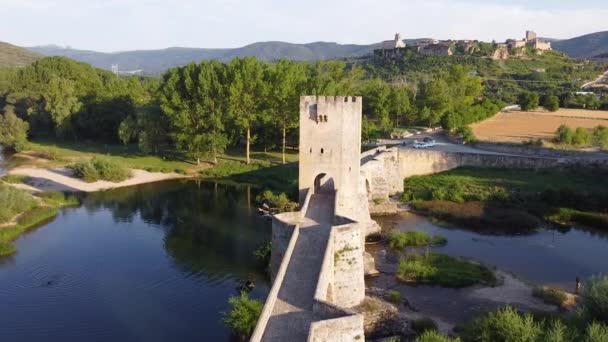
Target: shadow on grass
[278, 178]
[124, 151]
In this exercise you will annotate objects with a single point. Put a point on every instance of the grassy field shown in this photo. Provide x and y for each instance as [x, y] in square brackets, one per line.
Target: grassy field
[60, 153]
[515, 200]
[442, 270]
[517, 127]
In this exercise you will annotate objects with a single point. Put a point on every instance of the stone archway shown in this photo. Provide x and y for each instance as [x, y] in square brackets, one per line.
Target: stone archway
[323, 184]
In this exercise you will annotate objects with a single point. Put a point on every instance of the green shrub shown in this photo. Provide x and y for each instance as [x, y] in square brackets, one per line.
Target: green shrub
[398, 239]
[14, 179]
[13, 131]
[100, 169]
[442, 270]
[180, 171]
[394, 296]
[243, 315]
[14, 201]
[434, 336]
[423, 324]
[281, 202]
[263, 253]
[600, 137]
[550, 295]
[595, 299]
[556, 332]
[467, 134]
[528, 101]
[564, 135]
[551, 103]
[581, 137]
[596, 332]
[503, 325]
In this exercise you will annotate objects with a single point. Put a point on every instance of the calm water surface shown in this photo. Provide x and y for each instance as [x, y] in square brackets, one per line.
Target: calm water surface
[547, 257]
[156, 262]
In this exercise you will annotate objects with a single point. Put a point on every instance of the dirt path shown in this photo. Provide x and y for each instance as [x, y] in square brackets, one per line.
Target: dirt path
[61, 179]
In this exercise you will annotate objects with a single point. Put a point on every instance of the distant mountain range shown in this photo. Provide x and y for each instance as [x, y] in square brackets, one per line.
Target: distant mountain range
[14, 56]
[586, 46]
[157, 61]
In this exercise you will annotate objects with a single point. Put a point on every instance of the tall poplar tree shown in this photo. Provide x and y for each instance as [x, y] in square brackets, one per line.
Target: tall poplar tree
[246, 95]
[286, 82]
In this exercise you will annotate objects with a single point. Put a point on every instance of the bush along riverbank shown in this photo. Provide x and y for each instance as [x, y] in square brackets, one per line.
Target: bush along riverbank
[588, 324]
[511, 201]
[21, 211]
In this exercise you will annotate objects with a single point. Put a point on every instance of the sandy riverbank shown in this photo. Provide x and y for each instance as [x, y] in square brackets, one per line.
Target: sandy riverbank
[60, 179]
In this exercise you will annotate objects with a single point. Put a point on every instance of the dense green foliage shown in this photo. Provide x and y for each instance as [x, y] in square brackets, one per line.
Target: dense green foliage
[434, 336]
[202, 109]
[551, 73]
[551, 103]
[13, 131]
[398, 239]
[528, 101]
[506, 324]
[595, 299]
[581, 137]
[442, 270]
[13, 202]
[243, 315]
[510, 199]
[277, 202]
[100, 169]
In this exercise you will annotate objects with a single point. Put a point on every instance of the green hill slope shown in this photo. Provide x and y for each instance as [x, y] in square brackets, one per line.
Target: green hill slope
[14, 56]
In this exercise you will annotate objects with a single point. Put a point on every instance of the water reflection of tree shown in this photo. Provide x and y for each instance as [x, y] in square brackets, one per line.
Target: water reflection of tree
[208, 228]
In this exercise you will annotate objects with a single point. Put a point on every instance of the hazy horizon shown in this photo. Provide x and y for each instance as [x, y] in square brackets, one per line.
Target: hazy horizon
[123, 25]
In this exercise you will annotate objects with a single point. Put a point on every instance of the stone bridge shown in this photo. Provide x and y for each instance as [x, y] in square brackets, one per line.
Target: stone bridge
[317, 261]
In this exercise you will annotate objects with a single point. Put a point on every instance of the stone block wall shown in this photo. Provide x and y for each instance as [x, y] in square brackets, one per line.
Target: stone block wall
[348, 281]
[344, 329]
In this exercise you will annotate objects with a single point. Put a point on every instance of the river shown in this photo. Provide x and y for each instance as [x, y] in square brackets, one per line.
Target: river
[155, 262]
[549, 256]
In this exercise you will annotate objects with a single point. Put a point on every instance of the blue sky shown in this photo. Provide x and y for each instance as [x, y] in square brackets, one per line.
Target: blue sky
[116, 25]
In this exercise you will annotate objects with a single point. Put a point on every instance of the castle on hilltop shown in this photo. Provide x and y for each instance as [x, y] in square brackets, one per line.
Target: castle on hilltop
[511, 47]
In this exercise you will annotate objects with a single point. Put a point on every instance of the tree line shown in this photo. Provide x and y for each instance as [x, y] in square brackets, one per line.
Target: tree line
[204, 108]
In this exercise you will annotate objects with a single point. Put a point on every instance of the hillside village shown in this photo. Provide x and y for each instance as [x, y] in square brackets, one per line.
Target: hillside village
[511, 47]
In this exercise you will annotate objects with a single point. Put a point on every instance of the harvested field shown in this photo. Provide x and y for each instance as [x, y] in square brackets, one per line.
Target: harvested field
[515, 127]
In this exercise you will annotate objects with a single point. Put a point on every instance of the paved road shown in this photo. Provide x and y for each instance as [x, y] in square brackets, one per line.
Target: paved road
[443, 144]
[292, 313]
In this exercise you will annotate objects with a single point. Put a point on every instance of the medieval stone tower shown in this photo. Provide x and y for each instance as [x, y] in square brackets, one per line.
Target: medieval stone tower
[330, 148]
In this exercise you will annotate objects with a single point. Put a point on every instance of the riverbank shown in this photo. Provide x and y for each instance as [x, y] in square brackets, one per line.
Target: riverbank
[22, 211]
[61, 179]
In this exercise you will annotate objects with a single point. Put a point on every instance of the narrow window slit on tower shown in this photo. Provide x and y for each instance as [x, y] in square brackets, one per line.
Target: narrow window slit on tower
[321, 150]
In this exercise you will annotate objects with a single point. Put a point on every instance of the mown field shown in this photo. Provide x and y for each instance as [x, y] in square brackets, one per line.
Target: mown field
[517, 127]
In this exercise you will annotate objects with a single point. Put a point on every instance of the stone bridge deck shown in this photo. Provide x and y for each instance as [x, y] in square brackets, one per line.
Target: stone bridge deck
[292, 313]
